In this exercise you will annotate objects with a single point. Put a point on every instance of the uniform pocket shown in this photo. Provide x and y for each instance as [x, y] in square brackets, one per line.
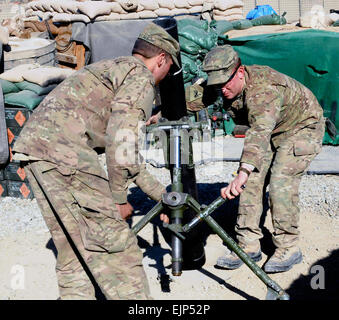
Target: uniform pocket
[100, 232]
[304, 147]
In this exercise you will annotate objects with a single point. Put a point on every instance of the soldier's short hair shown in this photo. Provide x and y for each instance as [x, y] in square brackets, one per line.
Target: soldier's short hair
[148, 50]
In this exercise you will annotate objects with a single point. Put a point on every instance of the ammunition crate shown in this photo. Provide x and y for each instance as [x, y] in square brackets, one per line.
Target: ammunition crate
[12, 134]
[2, 174]
[3, 188]
[19, 189]
[16, 117]
[15, 171]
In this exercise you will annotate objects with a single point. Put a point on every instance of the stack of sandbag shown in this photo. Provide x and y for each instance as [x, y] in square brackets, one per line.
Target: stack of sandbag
[27, 84]
[228, 10]
[316, 18]
[87, 11]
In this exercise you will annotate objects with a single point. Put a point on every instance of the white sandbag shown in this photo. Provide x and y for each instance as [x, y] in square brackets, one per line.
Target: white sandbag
[161, 12]
[47, 5]
[195, 9]
[111, 17]
[129, 5]
[129, 16]
[179, 11]
[147, 14]
[181, 4]
[116, 7]
[44, 76]
[29, 12]
[62, 17]
[149, 4]
[80, 18]
[228, 12]
[315, 19]
[94, 8]
[16, 74]
[37, 6]
[196, 2]
[57, 6]
[228, 18]
[227, 4]
[333, 17]
[69, 6]
[168, 4]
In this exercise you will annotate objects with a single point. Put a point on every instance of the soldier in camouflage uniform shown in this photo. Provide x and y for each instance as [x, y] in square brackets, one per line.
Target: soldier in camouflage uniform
[97, 108]
[286, 131]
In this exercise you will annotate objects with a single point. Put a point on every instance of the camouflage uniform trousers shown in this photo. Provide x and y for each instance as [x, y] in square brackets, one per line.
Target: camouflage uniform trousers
[287, 163]
[92, 240]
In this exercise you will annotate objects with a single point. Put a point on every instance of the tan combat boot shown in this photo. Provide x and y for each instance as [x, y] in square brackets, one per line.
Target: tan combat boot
[232, 261]
[283, 259]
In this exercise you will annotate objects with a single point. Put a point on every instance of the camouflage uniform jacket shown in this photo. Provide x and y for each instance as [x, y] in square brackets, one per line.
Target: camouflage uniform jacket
[97, 107]
[276, 107]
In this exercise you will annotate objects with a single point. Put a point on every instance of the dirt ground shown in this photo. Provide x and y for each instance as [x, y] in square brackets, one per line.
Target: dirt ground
[27, 273]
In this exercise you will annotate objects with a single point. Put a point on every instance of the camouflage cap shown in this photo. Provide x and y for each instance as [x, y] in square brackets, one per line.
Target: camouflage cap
[159, 37]
[219, 64]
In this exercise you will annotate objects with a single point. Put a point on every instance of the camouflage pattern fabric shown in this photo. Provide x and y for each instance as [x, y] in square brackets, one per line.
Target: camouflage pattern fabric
[194, 94]
[157, 36]
[99, 106]
[286, 130]
[88, 233]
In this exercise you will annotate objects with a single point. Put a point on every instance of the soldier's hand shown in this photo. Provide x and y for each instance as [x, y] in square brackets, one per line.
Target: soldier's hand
[236, 187]
[164, 218]
[125, 210]
[153, 119]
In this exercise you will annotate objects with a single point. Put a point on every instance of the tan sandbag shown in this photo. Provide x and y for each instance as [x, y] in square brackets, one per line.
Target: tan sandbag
[111, 17]
[315, 19]
[116, 7]
[163, 12]
[227, 4]
[228, 18]
[195, 9]
[79, 18]
[94, 8]
[4, 35]
[57, 6]
[37, 6]
[181, 4]
[16, 74]
[129, 5]
[44, 76]
[228, 12]
[62, 17]
[147, 14]
[129, 16]
[149, 4]
[29, 12]
[167, 4]
[196, 2]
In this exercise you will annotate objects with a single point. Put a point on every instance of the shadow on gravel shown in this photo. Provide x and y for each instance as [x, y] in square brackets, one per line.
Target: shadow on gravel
[321, 282]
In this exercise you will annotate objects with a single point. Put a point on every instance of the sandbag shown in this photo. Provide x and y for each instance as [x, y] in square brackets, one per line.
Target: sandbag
[227, 4]
[272, 19]
[40, 91]
[336, 24]
[206, 40]
[241, 24]
[201, 24]
[8, 86]
[24, 98]
[94, 8]
[168, 4]
[188, 46]
[15, 74]
[221, 27]
[190, 64]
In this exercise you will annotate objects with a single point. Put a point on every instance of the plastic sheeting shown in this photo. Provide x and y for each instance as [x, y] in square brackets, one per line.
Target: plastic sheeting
[309, 56]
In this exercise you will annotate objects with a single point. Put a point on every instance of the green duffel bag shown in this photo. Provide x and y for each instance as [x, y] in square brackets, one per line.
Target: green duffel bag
[25, 98]
[271, 19]
[206, 40]
[40, 91]
[242, 24]
[8, 86]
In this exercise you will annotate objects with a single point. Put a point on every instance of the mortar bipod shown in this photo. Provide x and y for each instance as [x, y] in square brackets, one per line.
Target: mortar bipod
[177, 202]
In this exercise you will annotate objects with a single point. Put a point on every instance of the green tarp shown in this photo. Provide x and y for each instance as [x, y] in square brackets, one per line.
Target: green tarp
[309, 56]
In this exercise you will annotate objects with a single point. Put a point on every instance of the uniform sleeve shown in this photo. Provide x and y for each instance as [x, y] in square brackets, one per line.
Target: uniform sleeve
[263, 114]
[124, 162]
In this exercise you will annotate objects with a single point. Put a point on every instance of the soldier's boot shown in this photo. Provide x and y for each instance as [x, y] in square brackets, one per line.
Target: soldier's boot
[283, 260]
[231, 261]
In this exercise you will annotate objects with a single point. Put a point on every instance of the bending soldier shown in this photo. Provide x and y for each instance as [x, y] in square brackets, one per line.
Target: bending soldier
[286, 131]
[98, 107]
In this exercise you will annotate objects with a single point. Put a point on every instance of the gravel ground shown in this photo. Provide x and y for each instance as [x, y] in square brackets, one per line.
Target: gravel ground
[26, 243]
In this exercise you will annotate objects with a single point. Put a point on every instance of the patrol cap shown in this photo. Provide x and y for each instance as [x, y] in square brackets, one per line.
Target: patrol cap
[219, 64]
[160, 38]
